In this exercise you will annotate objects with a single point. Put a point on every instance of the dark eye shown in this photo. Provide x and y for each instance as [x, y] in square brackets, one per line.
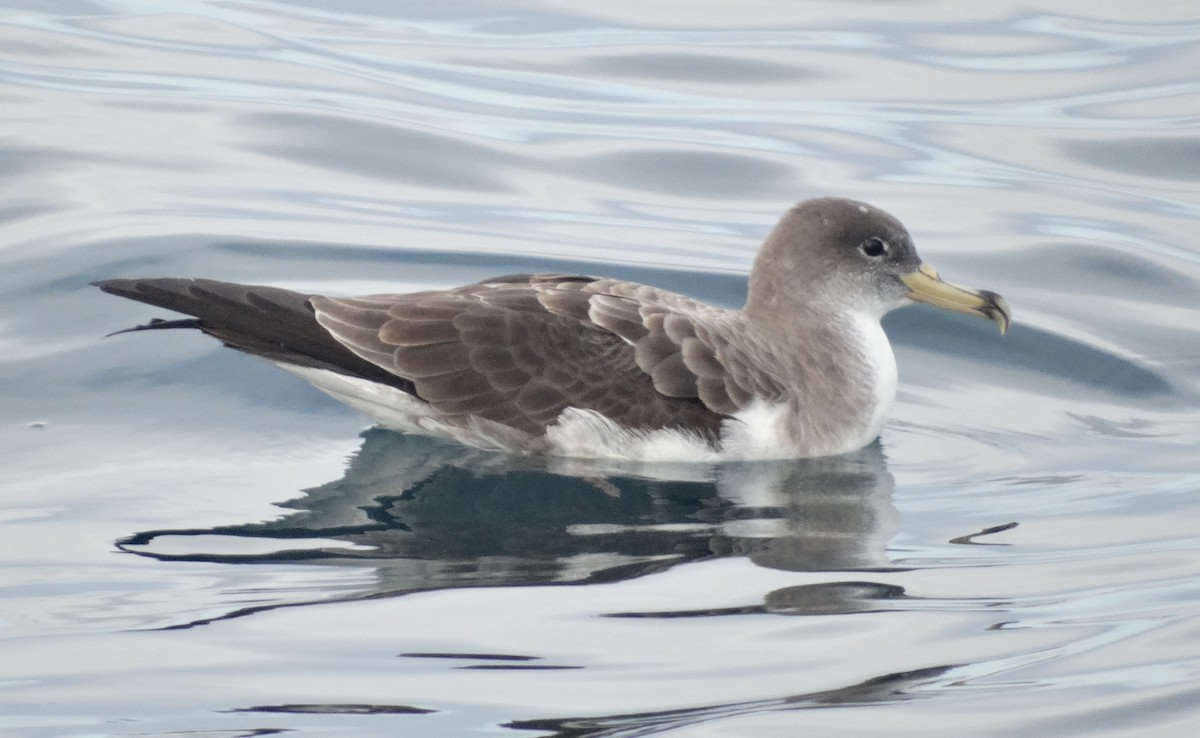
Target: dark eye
[874, 247]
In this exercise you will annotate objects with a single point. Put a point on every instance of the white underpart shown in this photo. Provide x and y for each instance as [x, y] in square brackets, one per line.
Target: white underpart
[881, 365]
[588, 434]
[758, 431]
[397, 410]
[388, 406]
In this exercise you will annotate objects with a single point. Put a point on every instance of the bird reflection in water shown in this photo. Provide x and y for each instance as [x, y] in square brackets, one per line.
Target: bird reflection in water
[425, 514]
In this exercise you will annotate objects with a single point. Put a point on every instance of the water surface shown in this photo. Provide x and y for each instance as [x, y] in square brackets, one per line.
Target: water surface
[192, 543]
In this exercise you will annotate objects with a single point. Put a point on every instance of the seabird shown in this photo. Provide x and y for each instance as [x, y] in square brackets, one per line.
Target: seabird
[595, 367]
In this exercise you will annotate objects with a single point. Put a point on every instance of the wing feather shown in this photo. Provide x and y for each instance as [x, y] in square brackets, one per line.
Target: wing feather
[518, 350]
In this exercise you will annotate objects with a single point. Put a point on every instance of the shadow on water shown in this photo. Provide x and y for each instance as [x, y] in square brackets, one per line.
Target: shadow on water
[427, 515]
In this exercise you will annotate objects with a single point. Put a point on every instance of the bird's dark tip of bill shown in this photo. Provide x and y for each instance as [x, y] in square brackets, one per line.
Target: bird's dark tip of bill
[997, 310]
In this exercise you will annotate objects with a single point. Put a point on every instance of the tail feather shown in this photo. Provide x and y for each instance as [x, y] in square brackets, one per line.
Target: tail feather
[268, 322]
[155, 324]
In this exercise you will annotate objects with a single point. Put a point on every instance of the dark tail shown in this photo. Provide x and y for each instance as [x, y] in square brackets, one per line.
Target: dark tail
[268, 322]
[158, 324]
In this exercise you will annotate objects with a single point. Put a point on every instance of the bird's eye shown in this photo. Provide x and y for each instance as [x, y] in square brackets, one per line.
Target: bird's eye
[874, 247]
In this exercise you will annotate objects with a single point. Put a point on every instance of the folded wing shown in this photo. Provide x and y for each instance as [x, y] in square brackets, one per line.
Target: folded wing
[519, 350]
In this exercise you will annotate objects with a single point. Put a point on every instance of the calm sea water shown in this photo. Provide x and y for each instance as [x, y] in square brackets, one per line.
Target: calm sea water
[194, 544]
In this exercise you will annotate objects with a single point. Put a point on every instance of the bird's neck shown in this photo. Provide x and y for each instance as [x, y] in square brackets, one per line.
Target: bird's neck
[845, 377]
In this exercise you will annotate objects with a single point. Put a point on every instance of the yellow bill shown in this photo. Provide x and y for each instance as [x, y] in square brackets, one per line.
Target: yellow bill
[925, 285]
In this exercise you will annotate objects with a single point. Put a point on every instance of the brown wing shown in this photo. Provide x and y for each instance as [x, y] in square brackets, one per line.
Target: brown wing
[678, 341]
[519, 350]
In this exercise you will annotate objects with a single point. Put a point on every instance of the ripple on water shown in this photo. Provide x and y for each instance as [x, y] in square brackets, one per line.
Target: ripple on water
[196, 544]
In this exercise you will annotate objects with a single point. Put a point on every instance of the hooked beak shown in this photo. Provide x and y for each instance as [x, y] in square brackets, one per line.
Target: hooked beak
[925, 285]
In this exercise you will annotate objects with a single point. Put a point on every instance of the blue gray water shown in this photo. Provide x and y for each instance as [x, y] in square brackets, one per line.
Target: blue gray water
[195, 544]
